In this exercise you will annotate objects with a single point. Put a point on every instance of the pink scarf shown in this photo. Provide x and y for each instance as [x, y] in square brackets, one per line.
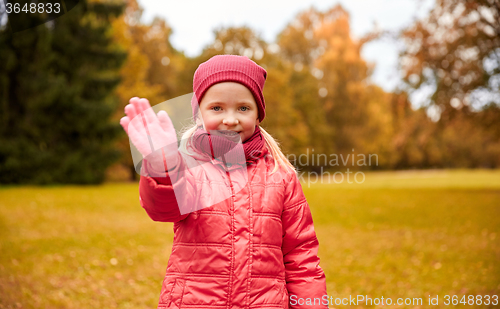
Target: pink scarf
[217, 146]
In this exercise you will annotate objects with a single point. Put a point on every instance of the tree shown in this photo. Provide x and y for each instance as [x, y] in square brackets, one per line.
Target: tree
[356, 112]
[455, 52]
[56, 98]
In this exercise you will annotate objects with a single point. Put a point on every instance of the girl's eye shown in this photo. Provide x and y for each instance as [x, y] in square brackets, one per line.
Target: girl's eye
[244, 108]
[216, 108]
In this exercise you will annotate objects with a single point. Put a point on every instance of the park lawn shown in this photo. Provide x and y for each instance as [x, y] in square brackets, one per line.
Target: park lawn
[398, 235]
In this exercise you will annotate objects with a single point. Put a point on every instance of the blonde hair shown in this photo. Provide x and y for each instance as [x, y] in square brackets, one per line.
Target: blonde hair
[280, 160]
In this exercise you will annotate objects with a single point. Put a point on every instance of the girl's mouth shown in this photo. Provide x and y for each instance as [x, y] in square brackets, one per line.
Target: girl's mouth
[229, 133]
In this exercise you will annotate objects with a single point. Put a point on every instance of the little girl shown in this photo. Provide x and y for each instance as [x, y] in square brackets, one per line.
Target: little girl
[253, 244]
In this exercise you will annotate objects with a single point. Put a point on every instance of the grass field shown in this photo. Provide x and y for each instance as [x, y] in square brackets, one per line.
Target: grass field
[397, 235]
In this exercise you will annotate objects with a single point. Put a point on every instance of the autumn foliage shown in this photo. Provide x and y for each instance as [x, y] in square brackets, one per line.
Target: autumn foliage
[319, 95]
[320, 98]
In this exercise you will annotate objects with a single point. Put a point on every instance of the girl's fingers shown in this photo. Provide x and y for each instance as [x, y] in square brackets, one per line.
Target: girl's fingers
[147, 111]
[165, 121]
[141, 105]
[132, 114]
[168, 127]
[124, 122]
[130, 110]
[135, 103]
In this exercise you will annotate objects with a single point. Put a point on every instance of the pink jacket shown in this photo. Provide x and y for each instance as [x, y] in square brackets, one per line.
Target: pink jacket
[254, 249]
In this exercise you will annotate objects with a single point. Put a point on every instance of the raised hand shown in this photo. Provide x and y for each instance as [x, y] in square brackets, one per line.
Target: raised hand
[153, 135]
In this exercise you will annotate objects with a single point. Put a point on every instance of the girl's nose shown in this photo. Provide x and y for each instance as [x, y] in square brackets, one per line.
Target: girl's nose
[230, 121]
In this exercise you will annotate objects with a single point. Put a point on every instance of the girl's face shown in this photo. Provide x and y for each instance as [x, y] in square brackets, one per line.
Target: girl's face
[230, 106]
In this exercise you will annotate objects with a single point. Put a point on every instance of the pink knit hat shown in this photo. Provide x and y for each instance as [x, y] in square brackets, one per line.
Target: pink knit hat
[229, 68]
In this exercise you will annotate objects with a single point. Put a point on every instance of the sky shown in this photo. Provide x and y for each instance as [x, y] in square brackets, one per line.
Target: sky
[193, 22]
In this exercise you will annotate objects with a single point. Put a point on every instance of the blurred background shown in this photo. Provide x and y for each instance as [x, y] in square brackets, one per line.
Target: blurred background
[415, 82]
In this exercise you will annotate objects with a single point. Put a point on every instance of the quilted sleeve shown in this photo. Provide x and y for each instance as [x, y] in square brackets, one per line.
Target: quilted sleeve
[304, 277]
[157, 195]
